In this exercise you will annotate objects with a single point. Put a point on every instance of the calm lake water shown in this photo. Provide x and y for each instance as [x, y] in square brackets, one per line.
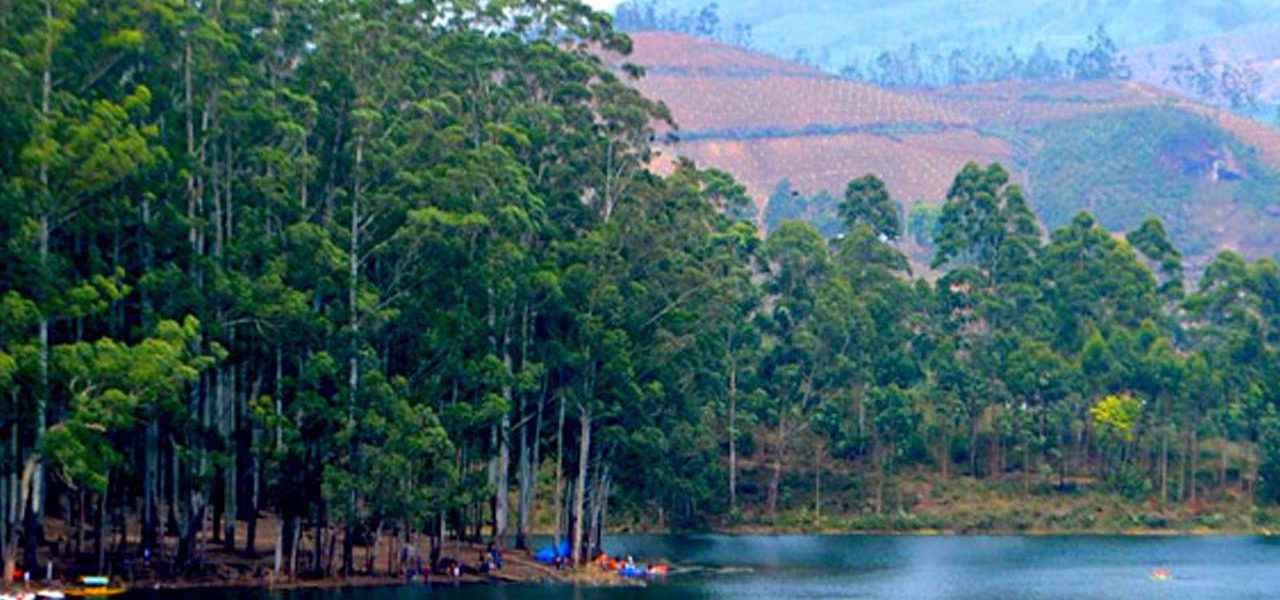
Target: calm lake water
[892, 568]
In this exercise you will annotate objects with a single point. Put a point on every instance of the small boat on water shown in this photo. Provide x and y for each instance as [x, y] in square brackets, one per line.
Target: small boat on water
[95, 587]
[36, 595]
[629, 569]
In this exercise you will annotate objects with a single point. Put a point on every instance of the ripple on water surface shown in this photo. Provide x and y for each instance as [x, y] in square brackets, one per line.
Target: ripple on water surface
[712, 567]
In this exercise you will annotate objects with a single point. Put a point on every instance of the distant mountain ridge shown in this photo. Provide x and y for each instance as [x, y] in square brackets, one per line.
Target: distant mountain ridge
[866, 26]
[832, 34]
[1122, 150]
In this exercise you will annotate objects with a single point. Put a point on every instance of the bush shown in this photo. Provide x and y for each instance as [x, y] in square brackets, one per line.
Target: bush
[1213, 521]
[1130, 483]
[1260, 517]
[1155, 521]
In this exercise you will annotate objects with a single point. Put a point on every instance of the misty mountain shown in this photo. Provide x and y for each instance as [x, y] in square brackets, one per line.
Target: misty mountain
[833, 33]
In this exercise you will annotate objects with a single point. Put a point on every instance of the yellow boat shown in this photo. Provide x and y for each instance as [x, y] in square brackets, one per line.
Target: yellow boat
[95, 592]
[95, 587]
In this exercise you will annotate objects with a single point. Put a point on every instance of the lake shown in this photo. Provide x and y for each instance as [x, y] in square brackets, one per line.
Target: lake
[712, 567]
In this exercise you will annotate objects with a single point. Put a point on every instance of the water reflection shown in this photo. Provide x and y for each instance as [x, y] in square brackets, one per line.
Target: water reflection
[898, 568]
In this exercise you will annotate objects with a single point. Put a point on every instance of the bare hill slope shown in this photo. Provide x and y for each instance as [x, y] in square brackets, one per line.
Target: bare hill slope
[1122, 150]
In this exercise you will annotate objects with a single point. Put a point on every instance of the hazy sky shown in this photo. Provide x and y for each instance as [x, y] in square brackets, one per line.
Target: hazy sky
[603, 4]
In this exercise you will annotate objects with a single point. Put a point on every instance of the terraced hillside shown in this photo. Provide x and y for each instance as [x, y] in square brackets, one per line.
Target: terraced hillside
[765, 120]
[1122, 150]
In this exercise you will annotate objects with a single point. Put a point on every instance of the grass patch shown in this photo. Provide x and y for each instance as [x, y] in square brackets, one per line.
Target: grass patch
[1006, 507]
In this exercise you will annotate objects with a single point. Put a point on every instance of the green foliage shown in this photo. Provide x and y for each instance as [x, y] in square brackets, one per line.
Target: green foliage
[1269, 470]
[376, 296]
[1132, 484]
[986, 224]
[1153, 242]
[112, 387]
[922, 223]
[1099, 283]
[786, 204]
[1116, 417]
[867, 202]
[1129, 165]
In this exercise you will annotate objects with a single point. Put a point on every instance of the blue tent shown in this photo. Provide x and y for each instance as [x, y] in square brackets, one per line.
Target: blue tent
[546, 555]
[551, 553]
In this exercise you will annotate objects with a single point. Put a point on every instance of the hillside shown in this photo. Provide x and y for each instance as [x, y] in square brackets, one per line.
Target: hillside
[830, 34]
[1121, 150]
[767, 121]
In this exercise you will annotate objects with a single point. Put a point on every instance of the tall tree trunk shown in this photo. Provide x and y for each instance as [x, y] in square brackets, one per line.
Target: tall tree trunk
[317, 550]
[733, 424]
[599, 498]
[501, 509]
[524, 470]
[42, 391]
[251, 514]
[348, 547]
[296, 536]
[277, 559]
[9, 483]
[502, 484]
[188, 95]
[1027, 471]
[944, 447]
[1194, 463]
[1184, 452]
[249, 448]
[584, 453]
[373, 551]
[973, 448]
[882, 476]
[604, 509]
[1164, 458]
[151, 472]
[559, 508]
[526, 462]
[20, 507]
[817, 484]
[100, 539]
[1222, 459]
[180, 513]
[775, 482]
[230, 484]
[353, 374]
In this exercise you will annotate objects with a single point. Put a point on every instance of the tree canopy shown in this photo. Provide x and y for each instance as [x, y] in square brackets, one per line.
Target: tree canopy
[366, 269]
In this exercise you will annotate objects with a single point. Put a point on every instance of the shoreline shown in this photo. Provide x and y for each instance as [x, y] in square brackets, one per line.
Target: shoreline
[521, 569]
[1133, 533]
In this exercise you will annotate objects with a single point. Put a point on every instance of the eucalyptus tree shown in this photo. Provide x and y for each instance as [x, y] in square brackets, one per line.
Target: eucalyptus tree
[1236, 323]
[1095, 282]
[989, 240]
[1152, 241]
[1040, 382]
[797, 261]
[867, 201]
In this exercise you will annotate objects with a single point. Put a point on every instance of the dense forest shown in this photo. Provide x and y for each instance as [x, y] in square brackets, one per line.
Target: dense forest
[347, 268]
